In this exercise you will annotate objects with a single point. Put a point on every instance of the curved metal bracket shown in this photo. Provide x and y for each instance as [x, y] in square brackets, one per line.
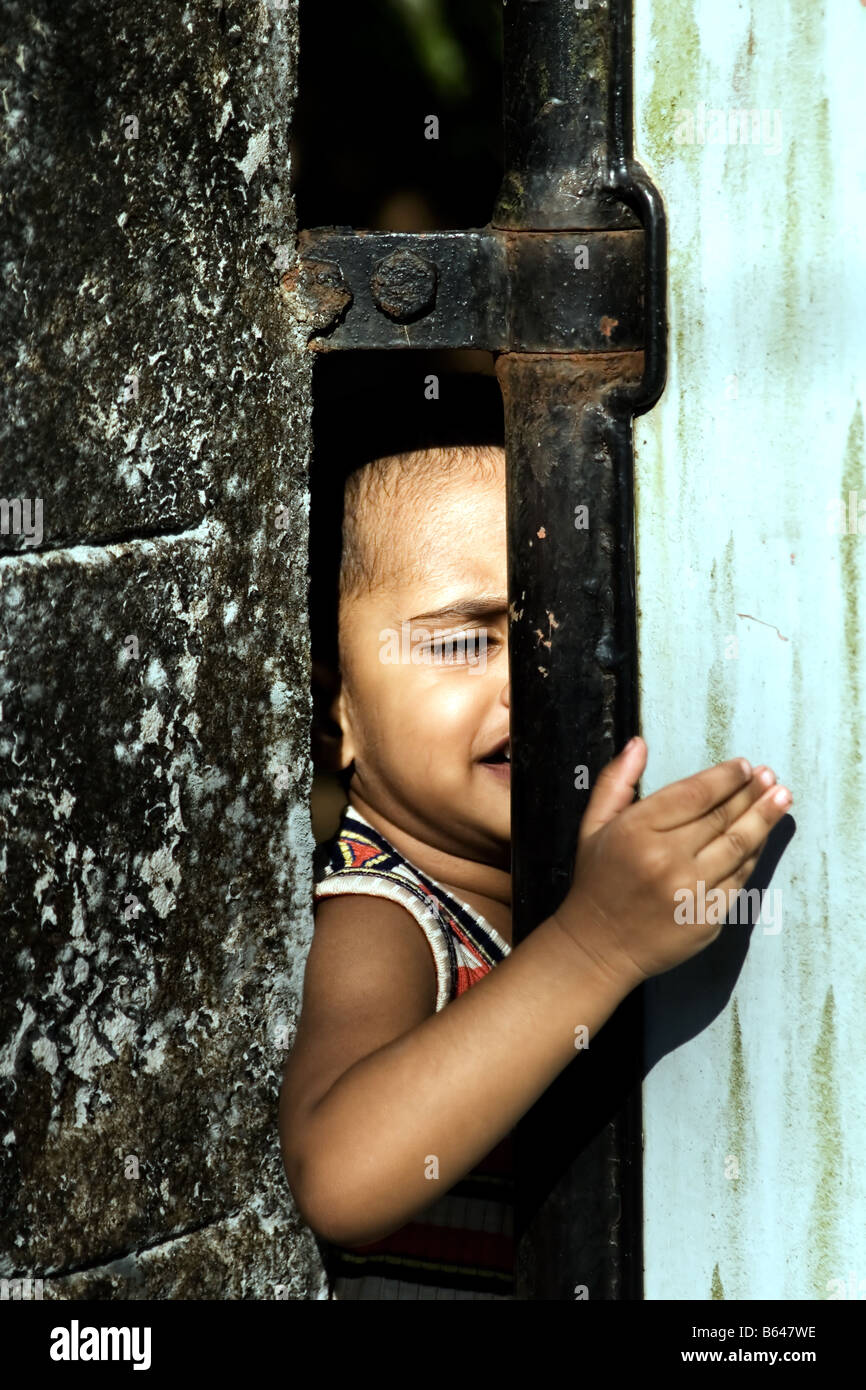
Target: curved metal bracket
[629, 183]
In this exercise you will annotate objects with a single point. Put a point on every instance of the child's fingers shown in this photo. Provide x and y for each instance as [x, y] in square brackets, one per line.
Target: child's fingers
[734, 846]
[614, 788]
[701, 832]
[692, 797]
[737, 881]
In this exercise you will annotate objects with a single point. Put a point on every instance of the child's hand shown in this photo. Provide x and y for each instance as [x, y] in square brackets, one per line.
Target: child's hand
[633, 856]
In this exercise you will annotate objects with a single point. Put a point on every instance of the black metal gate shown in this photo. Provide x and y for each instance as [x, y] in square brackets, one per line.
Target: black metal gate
[567, 286]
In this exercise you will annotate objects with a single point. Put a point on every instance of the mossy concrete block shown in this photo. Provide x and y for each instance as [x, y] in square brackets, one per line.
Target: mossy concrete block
[154, 651]
[253, 1255]
[146, 208]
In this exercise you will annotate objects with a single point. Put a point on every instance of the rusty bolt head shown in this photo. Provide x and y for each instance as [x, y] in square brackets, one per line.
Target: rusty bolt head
[404, 286]
[317, 293]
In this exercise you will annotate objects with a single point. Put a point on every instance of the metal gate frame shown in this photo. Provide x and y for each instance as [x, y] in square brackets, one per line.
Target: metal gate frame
[567, 286]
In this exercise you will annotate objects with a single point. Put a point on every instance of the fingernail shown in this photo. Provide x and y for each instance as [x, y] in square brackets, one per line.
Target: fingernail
[631, 744]
[782, 796]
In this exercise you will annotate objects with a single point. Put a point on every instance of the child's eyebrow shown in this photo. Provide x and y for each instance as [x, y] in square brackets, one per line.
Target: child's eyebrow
[467, 608]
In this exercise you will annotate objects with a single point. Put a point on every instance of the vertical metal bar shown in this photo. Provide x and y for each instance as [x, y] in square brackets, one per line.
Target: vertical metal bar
[562, 109]
[572, 633]
[573, 703]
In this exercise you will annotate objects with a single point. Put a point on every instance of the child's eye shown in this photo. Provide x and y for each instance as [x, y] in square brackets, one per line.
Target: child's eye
[468, 646]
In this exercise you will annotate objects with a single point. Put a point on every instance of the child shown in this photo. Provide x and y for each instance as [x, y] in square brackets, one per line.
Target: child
[414, 1057]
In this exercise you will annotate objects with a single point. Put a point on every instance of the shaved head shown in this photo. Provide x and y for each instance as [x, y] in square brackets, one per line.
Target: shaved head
[383, 501]
[385, 457]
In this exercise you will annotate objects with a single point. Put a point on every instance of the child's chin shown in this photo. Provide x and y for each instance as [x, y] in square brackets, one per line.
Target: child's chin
[498, 828]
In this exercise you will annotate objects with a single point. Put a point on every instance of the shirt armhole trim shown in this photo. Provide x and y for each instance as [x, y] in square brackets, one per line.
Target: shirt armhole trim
[424, 916]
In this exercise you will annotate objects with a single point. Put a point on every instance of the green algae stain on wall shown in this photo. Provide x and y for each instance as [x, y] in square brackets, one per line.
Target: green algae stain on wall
[716, 1289]
[674, 31]
[799, 757]
[742, 88]
[790, 299]
[738, 1099]
[719, 704]
[675, 87]
[850, 548]
[719, 713]
[810, 166]
[825, 1213]
[739, 1134]
[804, 69]
[826, 163]
[740, 1162]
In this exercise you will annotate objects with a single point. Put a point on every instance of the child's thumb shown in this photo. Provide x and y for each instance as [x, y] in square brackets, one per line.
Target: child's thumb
[614, 787]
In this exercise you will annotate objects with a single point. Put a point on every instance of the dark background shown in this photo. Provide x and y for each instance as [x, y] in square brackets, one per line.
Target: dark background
[370, 74]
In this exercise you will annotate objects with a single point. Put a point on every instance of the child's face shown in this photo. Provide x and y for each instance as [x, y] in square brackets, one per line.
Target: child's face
[419, 730]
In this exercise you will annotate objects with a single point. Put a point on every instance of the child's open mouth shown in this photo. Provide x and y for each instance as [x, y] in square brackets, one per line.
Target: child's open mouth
[498, 760]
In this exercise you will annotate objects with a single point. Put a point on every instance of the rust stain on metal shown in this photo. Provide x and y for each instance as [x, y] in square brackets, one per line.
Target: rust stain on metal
[317, 293]
[546, 641]
[602, 369]
[403, 285]
[582, 380]
[607, 325]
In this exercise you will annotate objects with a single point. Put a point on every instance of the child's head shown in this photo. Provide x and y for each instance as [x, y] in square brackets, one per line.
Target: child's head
[420, 691]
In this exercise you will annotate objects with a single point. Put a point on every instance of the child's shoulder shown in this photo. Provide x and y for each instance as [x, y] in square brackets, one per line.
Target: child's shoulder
[360, 859]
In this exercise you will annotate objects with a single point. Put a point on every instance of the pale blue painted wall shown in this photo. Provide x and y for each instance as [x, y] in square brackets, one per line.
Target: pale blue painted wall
[759, 430]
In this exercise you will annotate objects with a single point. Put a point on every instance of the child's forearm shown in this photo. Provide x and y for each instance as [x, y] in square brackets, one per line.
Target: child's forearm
[449, 1089]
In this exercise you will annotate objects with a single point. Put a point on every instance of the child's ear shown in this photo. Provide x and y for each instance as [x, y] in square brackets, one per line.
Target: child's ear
[331, 738]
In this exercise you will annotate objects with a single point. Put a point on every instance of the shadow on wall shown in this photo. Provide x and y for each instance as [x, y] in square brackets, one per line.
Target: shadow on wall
[687, 999]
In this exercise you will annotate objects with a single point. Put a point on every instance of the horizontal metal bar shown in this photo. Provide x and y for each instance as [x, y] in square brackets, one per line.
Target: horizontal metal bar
[558, 292]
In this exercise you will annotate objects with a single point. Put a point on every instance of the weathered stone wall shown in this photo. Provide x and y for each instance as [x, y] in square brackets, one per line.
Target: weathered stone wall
[156, 841]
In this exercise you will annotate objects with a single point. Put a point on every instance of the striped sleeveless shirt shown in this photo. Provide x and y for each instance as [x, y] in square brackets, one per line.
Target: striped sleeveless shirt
[462, 1245]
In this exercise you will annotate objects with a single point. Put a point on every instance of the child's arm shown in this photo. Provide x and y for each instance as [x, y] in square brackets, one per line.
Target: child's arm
[378, 1082]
